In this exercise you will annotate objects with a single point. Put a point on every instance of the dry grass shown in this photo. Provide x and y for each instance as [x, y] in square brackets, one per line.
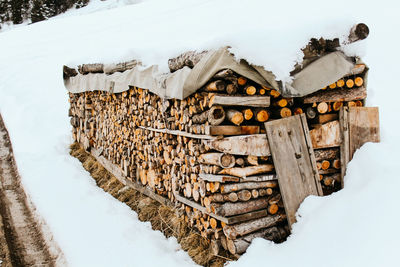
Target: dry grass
[162, 218]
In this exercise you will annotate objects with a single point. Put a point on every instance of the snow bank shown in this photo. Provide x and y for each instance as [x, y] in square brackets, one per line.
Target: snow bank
[354, 227]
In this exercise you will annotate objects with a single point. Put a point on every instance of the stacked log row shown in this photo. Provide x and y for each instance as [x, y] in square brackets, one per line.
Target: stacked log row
[209, 152]
[322, 111]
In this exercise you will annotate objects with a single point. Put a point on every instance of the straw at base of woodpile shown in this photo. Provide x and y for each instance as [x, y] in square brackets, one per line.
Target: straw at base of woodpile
[162, 218]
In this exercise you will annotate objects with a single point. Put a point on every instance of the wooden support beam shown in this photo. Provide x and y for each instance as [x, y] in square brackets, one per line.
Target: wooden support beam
[227, 220]
[119, 174]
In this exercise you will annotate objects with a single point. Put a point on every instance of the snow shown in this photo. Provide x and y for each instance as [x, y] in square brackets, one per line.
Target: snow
[354, 227]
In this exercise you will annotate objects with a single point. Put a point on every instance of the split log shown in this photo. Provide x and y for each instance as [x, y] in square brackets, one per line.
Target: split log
[311, 113]
[326, 154]
[336, 164]
[336, 95]
[248, 171]
[189, 59]
[234, 116]
[242, 81]
[250, 90]
[359, 81]
[220, 198]
[349, 83]
[214, 247]
[214, 86]
[359, 31]
[228, 188]
[91, 68]
[322, 107]
[244, 195]
[340, 83]
[327, 117]
[283, 112]
[357, 69]
[220, 159]
[69, 72]
[231, 88]
[215, 115]
[256, 145]
[252, 160]
[240, 245]
[331, 180]
[261, 115]
[241, 229]
[248, 114]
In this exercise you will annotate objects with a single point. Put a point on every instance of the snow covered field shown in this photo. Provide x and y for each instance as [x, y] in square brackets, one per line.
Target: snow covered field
[354, 227]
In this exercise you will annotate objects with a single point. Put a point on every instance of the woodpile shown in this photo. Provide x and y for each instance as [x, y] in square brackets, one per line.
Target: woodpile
[209, 153]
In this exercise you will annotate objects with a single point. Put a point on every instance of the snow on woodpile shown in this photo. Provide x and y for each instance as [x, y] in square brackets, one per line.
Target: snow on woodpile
[356, 226]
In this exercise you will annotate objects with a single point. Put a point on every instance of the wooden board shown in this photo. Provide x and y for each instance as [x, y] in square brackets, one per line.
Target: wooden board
[295, 165]
[326, 135]
[227, 220]
[363, 127]
[249, 101]
[119, 174]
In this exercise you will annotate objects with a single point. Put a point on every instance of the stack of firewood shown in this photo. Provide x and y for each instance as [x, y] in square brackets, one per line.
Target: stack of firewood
[209, 151]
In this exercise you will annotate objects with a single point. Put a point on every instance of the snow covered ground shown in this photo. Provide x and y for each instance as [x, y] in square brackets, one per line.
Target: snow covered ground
[354, 227]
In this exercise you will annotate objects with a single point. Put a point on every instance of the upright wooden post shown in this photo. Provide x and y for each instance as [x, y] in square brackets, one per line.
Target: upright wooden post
[344, 146]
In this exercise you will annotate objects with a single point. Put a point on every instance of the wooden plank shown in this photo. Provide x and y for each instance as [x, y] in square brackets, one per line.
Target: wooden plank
[249, 101]
[344, 146]
[297, 174]
[227, 220]
[255, 145]
[229, 178]
[232, 130]
[363, 127]
[340, 94]
[119, 174]
[327, 135]
[311, 154]
[177, 132]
